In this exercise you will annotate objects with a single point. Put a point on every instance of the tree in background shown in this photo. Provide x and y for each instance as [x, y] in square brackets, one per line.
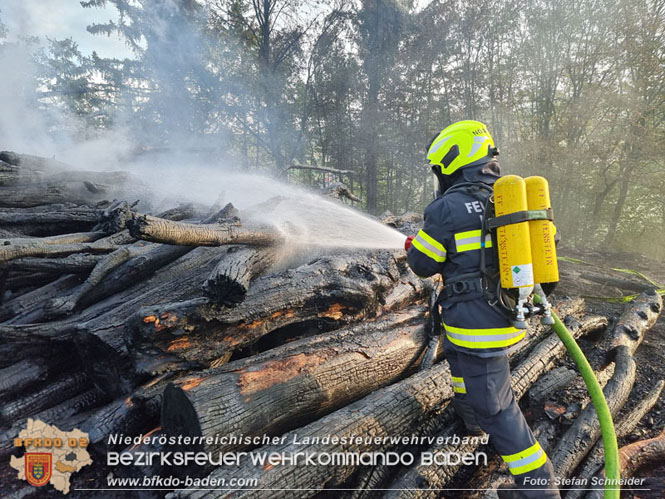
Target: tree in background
[572, 90]
[379, 31]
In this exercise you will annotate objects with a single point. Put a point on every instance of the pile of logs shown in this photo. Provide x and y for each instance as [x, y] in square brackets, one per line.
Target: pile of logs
[193, 321]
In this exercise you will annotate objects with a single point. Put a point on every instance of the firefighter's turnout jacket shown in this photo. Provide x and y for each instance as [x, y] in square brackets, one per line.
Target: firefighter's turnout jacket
[450, 244]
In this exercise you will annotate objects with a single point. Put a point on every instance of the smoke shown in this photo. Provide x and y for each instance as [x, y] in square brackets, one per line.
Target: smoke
[168, 141]
[38, 104]
[22, 125]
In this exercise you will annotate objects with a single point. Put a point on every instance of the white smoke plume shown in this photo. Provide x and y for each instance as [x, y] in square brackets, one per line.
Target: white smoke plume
[186, 167]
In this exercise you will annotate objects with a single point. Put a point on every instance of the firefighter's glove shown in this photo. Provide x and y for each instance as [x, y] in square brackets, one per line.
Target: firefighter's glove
[407, 243]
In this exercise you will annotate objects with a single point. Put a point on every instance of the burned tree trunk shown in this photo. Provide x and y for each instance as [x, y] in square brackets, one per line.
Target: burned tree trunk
[32, 163]
[552, 382]
[296, 383]
[582, 435]
[634, 456]
[66, 415]
[20, 310]
[56, 392]
[29, 372]
[639, 316]
[160, 230]
[53, 193]
[624, 427]
[133, 271]
[77, 263]
[50, 219]
[65, 305]
[133, 414]
[52, 246]
[363, 426]
[11, 174]
[101, 327]
[331, 290]
[229, 281]
[98, 330]
[82, 188]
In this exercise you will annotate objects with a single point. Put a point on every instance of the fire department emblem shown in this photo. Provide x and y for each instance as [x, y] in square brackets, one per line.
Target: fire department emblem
[38, 468]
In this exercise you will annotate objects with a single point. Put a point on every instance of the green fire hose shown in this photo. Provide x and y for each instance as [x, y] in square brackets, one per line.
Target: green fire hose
[612, 472]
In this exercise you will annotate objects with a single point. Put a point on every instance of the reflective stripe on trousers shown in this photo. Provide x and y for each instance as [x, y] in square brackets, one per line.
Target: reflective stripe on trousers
[458, 384]
[527, 460]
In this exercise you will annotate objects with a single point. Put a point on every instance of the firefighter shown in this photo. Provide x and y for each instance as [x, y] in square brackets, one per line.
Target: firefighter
[478, 332]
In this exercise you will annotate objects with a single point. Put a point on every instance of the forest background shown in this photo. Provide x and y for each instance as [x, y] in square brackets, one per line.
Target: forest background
[573, 90]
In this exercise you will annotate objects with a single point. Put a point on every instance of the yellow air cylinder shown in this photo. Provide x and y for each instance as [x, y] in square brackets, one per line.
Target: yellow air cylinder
[513, 241]
[543, 250]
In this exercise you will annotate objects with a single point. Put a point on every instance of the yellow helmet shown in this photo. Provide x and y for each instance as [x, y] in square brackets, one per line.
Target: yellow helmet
[459, 145]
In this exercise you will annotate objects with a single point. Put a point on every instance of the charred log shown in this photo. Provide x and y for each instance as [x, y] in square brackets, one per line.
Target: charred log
[50, 220]
[92, 242]
[583, 434]
[229, 281]
[52, 394]
[31, 162]
[596, 458]
[329, 289]
[75, 405]
[34, 194]
[27, 373]
[634, 456]
[101, 327]
[20, 282]
[134, 414]
[395, 410]
[138, 268]
[296, 383]
[66, 415]
[160, 230]
[550, 383]
[77, 263]
[31, 307]
[182, 212]
[635, 321]
[11, 174]
[640, 316]
[65, 305]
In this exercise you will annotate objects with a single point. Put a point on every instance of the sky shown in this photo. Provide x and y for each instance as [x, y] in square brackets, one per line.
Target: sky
[62, 19]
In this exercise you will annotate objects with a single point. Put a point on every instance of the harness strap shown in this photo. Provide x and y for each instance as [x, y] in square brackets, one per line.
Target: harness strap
[520, 216]
[462, 284]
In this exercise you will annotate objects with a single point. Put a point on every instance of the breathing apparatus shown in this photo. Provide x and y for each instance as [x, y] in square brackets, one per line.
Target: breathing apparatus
[524, 233]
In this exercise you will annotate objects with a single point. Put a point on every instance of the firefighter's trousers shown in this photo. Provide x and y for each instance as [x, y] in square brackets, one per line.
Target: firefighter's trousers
[483, 386]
